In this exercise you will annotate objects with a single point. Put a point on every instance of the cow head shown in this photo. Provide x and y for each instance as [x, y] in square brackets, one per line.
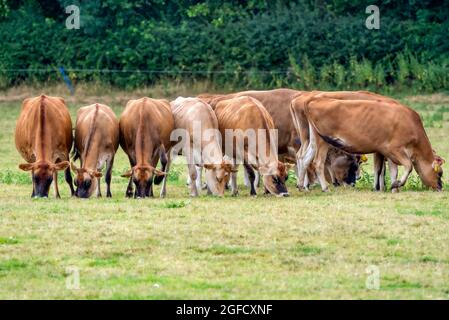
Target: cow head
[217, 176]
[274, 178]
[345, 167]
[438, 172]
[142, 177]
[42, 174]
[85, 181]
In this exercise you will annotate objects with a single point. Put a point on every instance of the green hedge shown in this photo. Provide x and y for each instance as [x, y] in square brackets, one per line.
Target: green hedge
[257, 44]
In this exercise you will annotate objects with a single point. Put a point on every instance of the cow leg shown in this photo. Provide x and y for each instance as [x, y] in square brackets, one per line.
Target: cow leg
[246, 179]
[393, 174]
[251, 177]
[306, 184]
[69, 180]
[129, 190]
[151, 193]
[257, 179]
[199, 177]
[164, 181]
[320, 161]
[98, 188]
[408, 167]
[234, 188]
[335, 183]
[108, 177]
[304, 159]
[34, 190]
[379, 172]
[55, 181]
[193, 177]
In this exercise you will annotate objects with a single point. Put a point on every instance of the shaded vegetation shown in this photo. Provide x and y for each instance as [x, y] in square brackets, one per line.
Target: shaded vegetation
[232, 44]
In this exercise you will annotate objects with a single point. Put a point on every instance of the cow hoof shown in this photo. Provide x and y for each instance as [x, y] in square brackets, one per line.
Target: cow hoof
[395, 190]
[395, 185]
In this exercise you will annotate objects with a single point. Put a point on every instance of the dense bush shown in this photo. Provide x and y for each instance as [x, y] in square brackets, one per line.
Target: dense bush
[257, 43]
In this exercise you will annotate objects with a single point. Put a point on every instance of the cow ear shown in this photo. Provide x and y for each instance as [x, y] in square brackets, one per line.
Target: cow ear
[208, 166]
[363, 158]
[97, 174]
[26, 166]
[288, 166]
[127, 174]
[61, 165]
[159, 172]
[264, 170]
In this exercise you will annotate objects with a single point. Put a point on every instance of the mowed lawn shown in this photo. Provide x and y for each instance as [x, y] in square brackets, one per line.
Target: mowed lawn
[307, 246]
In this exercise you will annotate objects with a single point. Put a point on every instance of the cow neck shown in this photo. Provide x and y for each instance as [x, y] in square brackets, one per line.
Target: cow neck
[270, 160]
[43, 137]
[144, 147]
[424, 155]
[217, 152]
[90, 154]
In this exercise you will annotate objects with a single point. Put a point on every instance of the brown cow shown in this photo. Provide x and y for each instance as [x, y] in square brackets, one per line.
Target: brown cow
[246, 115]
[302, 126]
[145, 128]
[44, 139]
[277, 102]
[193, 114]
[363, 126]
[96, 142]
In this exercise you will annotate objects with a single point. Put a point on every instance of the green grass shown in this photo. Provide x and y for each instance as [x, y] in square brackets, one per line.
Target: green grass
[308, 246]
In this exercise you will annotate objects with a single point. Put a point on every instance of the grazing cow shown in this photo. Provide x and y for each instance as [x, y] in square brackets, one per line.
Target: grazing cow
[243, 115]
[302, 126]
[145, 128]
[192, 114]
[277, 102]
[363, 126]
[44, 138]
[96, 142]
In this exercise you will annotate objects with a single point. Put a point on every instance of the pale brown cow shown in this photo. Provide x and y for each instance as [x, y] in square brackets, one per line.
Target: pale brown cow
[362, 126]
[44, 138]
[302, 127]
[96, 142]
[145, 128]
[243, 115]
[277, 102]
[195, 117]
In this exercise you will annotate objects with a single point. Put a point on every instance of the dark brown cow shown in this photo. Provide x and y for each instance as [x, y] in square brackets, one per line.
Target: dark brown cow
[362, 126]
[243, 115]
[44, 139]
[145, 128]
[96, 142]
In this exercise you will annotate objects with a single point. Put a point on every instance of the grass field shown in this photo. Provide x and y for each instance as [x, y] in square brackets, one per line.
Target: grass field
[316, 245]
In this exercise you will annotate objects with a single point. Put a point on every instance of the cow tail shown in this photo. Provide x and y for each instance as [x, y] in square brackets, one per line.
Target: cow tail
[164, 161]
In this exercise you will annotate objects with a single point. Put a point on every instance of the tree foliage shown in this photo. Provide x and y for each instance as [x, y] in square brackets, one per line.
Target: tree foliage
[256, 43]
